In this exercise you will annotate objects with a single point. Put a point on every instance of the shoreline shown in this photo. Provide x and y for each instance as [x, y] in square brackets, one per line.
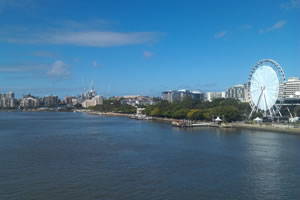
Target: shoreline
[278, 128]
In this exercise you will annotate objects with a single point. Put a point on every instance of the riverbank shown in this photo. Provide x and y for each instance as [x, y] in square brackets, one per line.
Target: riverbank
[104, 113]
[279, 128]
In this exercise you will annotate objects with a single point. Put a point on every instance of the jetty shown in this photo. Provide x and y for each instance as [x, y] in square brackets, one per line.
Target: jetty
[189, 123]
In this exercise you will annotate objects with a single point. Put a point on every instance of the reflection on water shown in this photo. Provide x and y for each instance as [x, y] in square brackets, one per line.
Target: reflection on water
[79, 156]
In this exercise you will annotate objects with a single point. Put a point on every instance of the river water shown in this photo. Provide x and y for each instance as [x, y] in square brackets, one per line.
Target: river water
[79, 156]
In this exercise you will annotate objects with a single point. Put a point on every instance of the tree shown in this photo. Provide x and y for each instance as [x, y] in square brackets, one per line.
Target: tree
[256, 114]
[112, 105]
[231, 113]
[155, 112]
[297, 111]
[195, 114]
[231, 109]
[180, 114]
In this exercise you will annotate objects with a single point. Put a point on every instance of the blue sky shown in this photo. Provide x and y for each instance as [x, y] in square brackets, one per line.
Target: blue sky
[143, 46]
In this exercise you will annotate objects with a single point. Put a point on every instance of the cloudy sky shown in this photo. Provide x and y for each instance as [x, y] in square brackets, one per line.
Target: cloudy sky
[143, 46]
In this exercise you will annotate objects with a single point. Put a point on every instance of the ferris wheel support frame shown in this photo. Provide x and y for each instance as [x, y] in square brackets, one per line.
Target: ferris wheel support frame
[254, 107]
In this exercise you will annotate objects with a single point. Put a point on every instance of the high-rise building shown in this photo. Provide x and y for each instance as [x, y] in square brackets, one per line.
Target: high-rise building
[236, 92]
[179, 95]
[171, 96]
[195, 94]
[292, 89]
[97, 100]
[50, 101]
[29, 101]
[247, 97]
[10, 95]
[7, 100]
[68, 100]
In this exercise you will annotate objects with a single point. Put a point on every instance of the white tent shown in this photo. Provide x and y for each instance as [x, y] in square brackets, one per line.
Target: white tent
[218, 119]
[257, 119]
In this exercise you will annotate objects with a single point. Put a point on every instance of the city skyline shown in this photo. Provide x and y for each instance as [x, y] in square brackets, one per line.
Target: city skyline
[60, 48]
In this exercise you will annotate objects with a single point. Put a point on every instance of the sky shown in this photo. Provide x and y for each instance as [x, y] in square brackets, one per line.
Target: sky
[142, 46]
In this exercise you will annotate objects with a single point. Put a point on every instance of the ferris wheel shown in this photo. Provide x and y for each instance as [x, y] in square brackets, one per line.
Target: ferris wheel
[266, 83]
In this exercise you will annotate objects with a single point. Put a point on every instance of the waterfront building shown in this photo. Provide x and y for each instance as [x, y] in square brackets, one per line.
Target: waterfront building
[292, 88]
[50, 101]
[247, 97]
[171, 96]
[41, 101]
[74, 101]
[183, 94]
[68, 100]
[29, 101]
[236, 92]
[131, 96]
[7, 100]
[85, 96]
[215, 95]
[97, 100]
[10, 95]
[196, 94]
[139, 111]
[179, 95]
[81, 98]
[91, 94]
[137, 100]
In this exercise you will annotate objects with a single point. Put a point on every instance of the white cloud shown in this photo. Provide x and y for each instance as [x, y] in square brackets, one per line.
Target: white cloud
[59, 70]
[100, 39]
[279, 24]
[290, 4]
[69, 32]
[23, 68]
[221, 34]
[276, 26]
[148, 54]
[90, 38]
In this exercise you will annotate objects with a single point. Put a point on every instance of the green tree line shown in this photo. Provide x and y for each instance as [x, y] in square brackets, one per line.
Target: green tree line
[113, 105]
[229, 109]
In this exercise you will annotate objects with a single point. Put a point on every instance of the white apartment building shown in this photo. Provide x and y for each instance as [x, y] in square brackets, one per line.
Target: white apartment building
[97, 100]
[29, 102]
[236, 92]
[292, 88]
[7, 100]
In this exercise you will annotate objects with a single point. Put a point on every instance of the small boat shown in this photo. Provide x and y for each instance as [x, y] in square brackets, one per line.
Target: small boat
[132, 116]
[177, 123]
[148, 118]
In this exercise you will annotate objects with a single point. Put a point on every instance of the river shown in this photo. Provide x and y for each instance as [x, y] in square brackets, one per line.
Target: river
[55, 155]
